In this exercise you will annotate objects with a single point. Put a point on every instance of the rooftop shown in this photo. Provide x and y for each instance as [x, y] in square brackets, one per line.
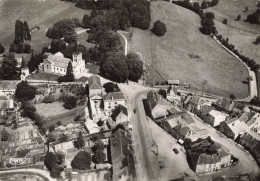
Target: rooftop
[114, 96]
[94, 82]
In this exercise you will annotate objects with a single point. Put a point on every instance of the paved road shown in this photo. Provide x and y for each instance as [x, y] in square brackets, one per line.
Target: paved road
[125, 47]
[147, 166]
[43, 173]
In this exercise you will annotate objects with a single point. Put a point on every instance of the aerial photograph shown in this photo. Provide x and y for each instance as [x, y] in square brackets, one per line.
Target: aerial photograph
[129, 90]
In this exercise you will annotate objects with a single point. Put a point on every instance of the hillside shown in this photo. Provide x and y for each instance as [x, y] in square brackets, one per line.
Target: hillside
[240, 33]
[35, 12]
[186, 54]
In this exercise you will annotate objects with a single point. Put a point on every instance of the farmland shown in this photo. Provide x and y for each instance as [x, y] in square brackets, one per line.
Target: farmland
[41, 13]
[240, 33]
[55, 112]
[184, 53]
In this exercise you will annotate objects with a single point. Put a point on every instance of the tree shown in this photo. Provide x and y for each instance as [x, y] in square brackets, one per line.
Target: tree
[50, 161]
[159, 28]
[69, 77]
[60, 157]
[57, 46]
[4, 135]
[99, 157]
[9, 70]
[27, 48]
[207, 24]
[115, 67]
[70, 102]
[23, 64]
[246, 9]
[63, 138]
[17, 38]
[238, 18]
[257, 40]
[24, 92]
[111, 87]
[79, 143]
[163, 93]
[81, 161]
[249, 79]
[224, 21]
[99, 146]
[55, 173]
[232, 97]
[135, 66]
[2, 48]
[86, 21]
[204, 5]
[27, 32]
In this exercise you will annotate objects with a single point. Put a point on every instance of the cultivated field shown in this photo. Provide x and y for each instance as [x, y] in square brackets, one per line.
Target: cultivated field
[184, 53]
[35, 12]
[240, 33]
[55, 112]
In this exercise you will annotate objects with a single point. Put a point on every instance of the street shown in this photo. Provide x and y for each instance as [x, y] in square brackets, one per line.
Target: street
[43, 173]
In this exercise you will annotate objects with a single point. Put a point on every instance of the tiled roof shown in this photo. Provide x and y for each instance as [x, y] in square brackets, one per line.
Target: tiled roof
[8, 84]
[114, 96]
[205, 109]
[215, 113]
[94, 82]
[195, 100]
[118, 110]
[225, 104]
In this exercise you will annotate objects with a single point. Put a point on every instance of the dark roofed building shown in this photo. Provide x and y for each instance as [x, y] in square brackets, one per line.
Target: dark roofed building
[120, 152]
[94, 85]
[206, 156]
[224, 104]
[120, 114]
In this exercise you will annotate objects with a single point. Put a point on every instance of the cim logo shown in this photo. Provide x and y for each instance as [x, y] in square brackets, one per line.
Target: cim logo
[17, 161]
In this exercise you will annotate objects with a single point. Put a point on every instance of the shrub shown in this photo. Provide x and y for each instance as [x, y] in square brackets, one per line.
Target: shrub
[99, 157]
[224, 21]
[257, 40]
[159, 28]
[81, 161]
[254, 18]
[48, 99]
[238, 18]
[70, 102]
[111, 87]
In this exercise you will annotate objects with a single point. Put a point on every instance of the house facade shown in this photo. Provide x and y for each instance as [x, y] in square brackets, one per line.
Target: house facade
[94, 84]
[57, 63]
[215, 118]
[112, 100]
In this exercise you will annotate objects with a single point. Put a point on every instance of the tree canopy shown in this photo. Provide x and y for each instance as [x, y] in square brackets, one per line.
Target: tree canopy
[24, 92]
[79, 143]
[9, 70]
[69, 77]
[115, 68]
[135, 66]
[81, 161]
[2, 48]
[159, 28]
[111, 87]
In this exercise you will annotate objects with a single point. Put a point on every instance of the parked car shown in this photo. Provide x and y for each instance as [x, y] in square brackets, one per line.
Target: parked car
[175, 150]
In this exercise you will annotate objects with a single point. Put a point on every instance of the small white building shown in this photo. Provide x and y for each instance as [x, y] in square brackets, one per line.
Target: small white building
[112, 100]
[216, 117]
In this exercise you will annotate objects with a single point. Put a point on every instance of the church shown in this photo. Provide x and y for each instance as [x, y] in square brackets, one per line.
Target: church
[57, 63]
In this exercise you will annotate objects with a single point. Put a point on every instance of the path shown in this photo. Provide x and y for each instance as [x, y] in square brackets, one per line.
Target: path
[43, 173]
[125, 40]
[253, 83]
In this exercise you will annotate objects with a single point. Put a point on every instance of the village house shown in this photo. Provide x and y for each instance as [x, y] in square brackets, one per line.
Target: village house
[57, 63]
[91, 126]
[203, 161]
[234, 127]
[194, 103]
[251, 141]
[113, 99]
[173, 97]
[120, 114]
[120, 144]
[6, 106]
[215, 118]
[224, 105]
[203, 113]
[7, 88]
[94, 85]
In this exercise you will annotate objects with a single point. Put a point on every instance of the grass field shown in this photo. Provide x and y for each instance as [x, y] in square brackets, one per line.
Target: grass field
[184, 53]
[35, 12]
[240, 33]
[55, 112]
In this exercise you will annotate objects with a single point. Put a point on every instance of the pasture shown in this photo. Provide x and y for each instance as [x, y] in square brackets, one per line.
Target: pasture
[184, 53]
[41, 13]
[240, 33]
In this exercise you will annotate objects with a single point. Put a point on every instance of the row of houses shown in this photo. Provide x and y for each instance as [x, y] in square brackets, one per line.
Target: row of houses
[233, 119]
